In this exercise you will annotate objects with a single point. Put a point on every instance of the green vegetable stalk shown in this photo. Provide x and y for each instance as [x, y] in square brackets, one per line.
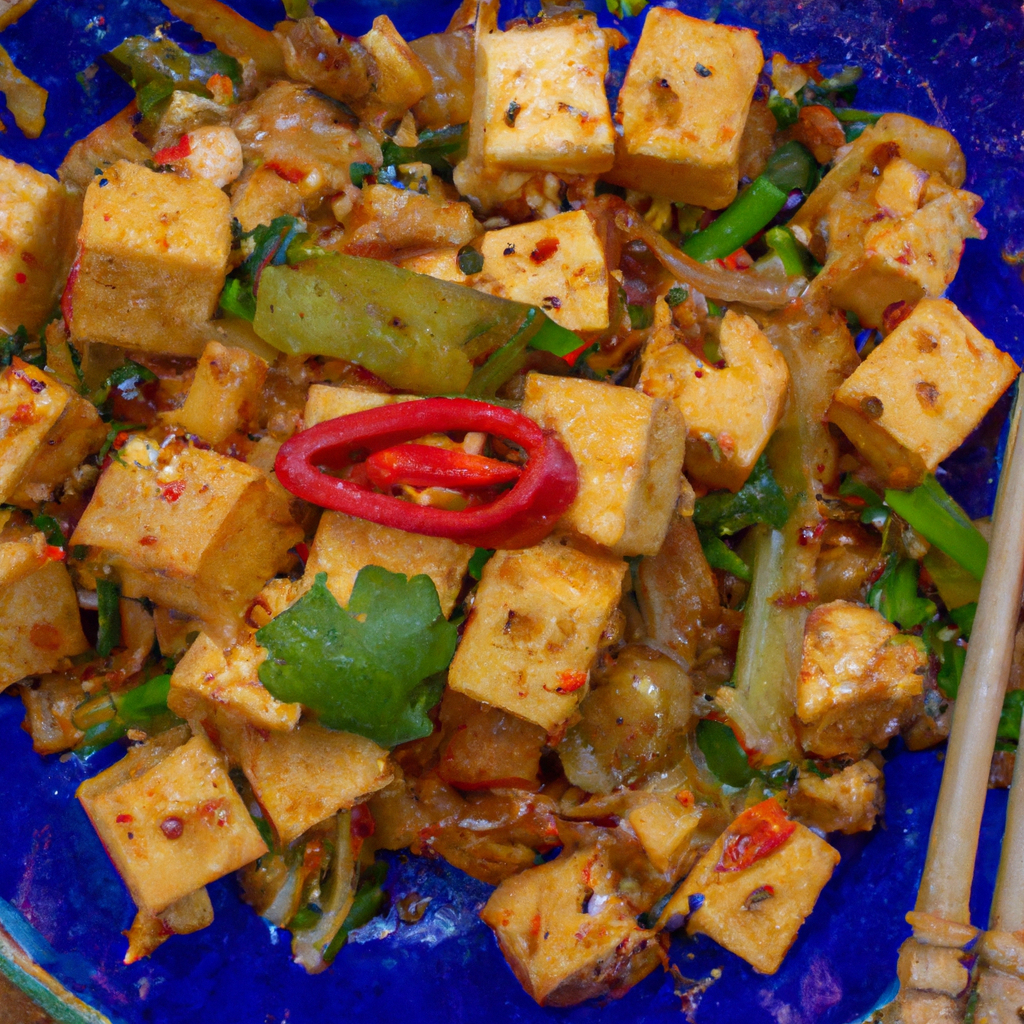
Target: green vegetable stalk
[108, 601]
[747, 215]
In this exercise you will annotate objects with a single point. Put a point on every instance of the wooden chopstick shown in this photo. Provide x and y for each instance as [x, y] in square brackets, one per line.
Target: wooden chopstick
[949, 869]
[1008, 900]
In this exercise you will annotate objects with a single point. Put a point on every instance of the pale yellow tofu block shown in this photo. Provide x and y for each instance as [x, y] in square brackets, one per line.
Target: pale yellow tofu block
[306, 775]
[848, 802]
[171, 823]
[225, 395]
[46, 430]
[730, 412]
[188, 528]
[149, 931]
[558, 264]
[628, 449]
[326, 402]
[534, 629]
[683, 107]
[230, 680]
[859, 680]
[760, 931]
[898, 242]
[919, 394]
[38, 221]
[544, 106]
[567, 930]
[442, 263]
[40, 626]
[402, 79]
[260, 196]
[153, 251]
[664, 828]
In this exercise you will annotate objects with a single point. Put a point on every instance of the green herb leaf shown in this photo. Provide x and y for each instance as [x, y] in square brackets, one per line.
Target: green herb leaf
[759, 500]
[640, 317]
[895, 594]
[12, 345]
[555, 338]
[141, 704]
[470, 260]
[271, 245]
[625, 8]
[951, 668]
[677, 294]
[370, 669]
[721, 556]
[440, 148]
[155, 68]
[127, 379]
[1009, 719]
[964, 618]
[51, 528]
[480, 558]
[779, 775]
[942, 522]
[108, 601]
[723, 753]
[786, 111]
[358, 171]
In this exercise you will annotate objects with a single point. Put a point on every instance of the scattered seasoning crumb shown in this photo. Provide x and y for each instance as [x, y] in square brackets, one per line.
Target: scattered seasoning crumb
[510, 250]
[701, 70]
[512, 113]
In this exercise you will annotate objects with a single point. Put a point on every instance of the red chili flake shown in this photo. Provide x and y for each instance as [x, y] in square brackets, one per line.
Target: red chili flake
[894, 314]
[221, 88]
[302, 550]
[52, 553]
[66, 307]
[362, 825]
[808, 534]
[754, 834]
[570, 682]
[25, 413]
[172, 827]
[292, 174]
[28, 258]
[173, 154]
[801, 597]
[535, 925]
[685, 798]
[544, 250]
[148, 541]
[172, 490]
[698, 373]
[876, 573]
[20, 277]
[123, 819]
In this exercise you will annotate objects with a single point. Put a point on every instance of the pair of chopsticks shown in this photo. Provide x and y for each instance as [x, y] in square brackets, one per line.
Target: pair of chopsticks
[932, 971]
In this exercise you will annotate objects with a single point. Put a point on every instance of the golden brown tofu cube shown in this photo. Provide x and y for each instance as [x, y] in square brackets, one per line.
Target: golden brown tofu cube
[225, 395]
[46, 430]
[37, 228]
[39, 621]
[188, 528]
[149, 931]
[558, 264]
[919, 394]
[847, 802]
[261, 196]
[324, 402]
[683, 107]
[306, 775]
[568, 932]
[228, 679]
[730, 412]
[756, 911]
[153, 251]
[664, 827]
[534, 629]
[629, 451]
[402, 78]
[543, 101]
[172, 826]
[858, 682]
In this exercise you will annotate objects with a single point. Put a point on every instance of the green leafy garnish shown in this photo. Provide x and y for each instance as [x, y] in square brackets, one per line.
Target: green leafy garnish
[470, 260]
[625, 8]
[759, 500]
[12, 345]
[358, 172]
[155, 68]
[480, 558]
[964, 618]
[677, 294]
[127, 379]
[721, 556]
[942, 522]
[51, 528]
[1008, 733]
[640, 317]
[440, 148]
[722, 751]
[268, 245]
[895, 594]
[106, 718]
[369, 899]
[108, 602]
[555, 338]
[371, 668]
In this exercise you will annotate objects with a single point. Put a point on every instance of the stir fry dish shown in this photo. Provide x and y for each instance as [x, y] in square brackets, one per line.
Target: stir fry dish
[406, 446]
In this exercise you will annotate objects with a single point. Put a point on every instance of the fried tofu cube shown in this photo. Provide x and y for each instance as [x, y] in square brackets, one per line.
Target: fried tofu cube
[534, 629]
[683, 107]
[229, 679]
[900, 242]
[325, 402]
[39, 621]
[225, 395]
[558, 264]
[37, 228]
[628, 449]
[402, 79]
[171, 821]
[149, 931]
[730, 412]
[756, 911]
[568, 932]
[153, 251]
[664, 827]
[261, 196]
[46, 430]
[306, 775]
[188, 528]
[919, 394]
[859, 680]
[49, 705]
[543, 105]
[847, 802]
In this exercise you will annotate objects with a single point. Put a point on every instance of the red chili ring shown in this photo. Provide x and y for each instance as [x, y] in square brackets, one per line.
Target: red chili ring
[518, 518]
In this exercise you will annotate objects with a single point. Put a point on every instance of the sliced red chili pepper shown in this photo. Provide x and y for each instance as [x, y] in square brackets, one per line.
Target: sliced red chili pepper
[172, 154]
[67, 296]
[518, 518]
[426, 465]
[754, 834]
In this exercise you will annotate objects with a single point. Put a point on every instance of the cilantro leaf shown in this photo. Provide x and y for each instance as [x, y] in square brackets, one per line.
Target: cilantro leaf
[895, 594]
[440, 148]
[723, 753]
[759, 500]
[1009, 720]
[270, 245]
[371, 668]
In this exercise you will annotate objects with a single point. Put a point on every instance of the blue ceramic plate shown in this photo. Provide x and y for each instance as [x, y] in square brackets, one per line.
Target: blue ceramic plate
[960, 65]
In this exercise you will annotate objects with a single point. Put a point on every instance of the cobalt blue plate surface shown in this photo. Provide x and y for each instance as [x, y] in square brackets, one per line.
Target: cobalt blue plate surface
[959, 65]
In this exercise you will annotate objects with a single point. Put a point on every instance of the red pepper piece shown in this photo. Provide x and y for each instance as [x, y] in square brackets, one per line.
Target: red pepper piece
[754, 834]
[426, 465]
[172, 154]
[66, 298]
[517, 518]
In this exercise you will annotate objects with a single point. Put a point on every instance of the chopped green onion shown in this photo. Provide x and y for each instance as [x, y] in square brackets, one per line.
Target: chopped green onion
[738, 223]
[108, 602]
[555, 338]
[964, 618]
[942, 522]
[51, 528]
[1009, 720]
[358, 172]
[792, 166]
[721, 556]
[640, 317]
[895, 595]
[786, 247]
[480, 558]
[369, 899]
